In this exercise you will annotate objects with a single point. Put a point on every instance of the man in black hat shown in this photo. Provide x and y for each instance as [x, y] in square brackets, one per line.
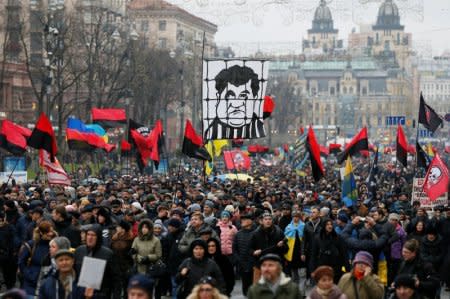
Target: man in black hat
[273, 283]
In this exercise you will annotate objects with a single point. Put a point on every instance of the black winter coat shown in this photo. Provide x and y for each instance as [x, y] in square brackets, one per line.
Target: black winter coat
[66, 229]
[174, 258]
[109, 277]
[6, 241]
[428, 282]
[432, 251]
[197, 270]
[242, 250]
[329, 250]
[267, 240]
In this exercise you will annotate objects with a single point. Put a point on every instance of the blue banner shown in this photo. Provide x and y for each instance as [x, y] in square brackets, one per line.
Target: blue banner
[10, 162]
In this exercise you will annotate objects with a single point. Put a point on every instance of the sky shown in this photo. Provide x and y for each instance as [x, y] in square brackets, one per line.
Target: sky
[278, 26]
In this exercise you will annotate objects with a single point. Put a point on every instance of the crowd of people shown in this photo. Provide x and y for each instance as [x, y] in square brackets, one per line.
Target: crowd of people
[182, 236]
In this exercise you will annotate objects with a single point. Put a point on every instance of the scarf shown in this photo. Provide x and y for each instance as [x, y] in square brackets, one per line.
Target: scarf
[358, 275]
[67, 282]
[332, 293]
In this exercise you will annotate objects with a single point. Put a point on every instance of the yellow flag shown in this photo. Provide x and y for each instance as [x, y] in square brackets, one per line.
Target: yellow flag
[218, 145]
[209, 165]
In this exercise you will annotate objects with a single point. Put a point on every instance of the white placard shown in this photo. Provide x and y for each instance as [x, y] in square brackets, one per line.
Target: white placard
[19, 176]
[92, 271]
[419, 195]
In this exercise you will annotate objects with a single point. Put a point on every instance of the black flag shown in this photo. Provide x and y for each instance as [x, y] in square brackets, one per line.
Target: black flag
[428, 117]
[422, 159]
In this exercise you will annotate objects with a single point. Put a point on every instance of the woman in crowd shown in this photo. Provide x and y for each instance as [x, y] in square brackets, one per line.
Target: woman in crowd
[325, 288]
[206, 289]
[418, 233]
[196, 267]
[294, 235]
[329, 249]
[33, 253]
[146, 246]
[360, 282]
[215, 253]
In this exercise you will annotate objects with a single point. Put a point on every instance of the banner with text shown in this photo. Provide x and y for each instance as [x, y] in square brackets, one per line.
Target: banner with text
[419, 195]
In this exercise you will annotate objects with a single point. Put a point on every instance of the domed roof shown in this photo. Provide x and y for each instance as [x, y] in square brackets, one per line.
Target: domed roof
[323, 21]
[388, 17]
[323, 12]
[388, 8]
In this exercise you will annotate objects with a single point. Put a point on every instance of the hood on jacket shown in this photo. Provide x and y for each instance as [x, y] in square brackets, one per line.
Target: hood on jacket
[198, 242]
[149, 223]
[97, 229]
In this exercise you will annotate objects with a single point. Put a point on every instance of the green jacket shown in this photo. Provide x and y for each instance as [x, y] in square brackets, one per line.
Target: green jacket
[370, 287]
[286, 290]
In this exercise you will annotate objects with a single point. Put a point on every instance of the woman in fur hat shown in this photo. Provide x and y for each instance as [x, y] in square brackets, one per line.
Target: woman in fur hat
[325, 288]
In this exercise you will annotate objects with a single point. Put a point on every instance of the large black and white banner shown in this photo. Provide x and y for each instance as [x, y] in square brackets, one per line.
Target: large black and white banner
[233, 93]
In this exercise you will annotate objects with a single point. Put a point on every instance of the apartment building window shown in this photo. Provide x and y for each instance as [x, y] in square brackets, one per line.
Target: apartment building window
[144, 25]
[332, 91]
[162, 43]
[162, 25]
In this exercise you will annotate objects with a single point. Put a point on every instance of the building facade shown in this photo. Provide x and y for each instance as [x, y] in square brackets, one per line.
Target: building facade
[168, 27]
[340, 91]
[322, 37]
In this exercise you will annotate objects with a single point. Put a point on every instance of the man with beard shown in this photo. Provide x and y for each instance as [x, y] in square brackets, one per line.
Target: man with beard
[267, 238]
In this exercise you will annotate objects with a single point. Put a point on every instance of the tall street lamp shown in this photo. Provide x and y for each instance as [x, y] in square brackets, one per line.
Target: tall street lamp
[182, 102]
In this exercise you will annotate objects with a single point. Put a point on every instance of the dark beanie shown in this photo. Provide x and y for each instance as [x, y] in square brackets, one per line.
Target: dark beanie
[125, 225]
[405, 280]
[174, 223]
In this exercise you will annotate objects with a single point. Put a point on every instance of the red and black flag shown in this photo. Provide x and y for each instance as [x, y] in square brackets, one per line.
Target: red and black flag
[157, 137]
[82, 141]
[125, 147]
[334, 148]
[143, 131]
[43, 137]
[143, 145]
[109, 118]
[313, 149]
[402, 147]
[359, 143]
[268, 106]
[13, 137]
[422, 159]
[193, 144]
[324, 151]
[428, 117]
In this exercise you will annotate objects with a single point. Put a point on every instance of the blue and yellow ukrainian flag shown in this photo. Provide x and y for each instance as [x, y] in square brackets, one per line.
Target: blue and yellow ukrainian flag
[349, 191]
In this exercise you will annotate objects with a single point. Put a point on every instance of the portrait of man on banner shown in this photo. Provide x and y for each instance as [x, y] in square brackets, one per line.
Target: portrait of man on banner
[233, 103]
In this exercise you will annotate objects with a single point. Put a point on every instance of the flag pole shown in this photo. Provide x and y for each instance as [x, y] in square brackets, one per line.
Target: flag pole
[417, 137]
[14, 168]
